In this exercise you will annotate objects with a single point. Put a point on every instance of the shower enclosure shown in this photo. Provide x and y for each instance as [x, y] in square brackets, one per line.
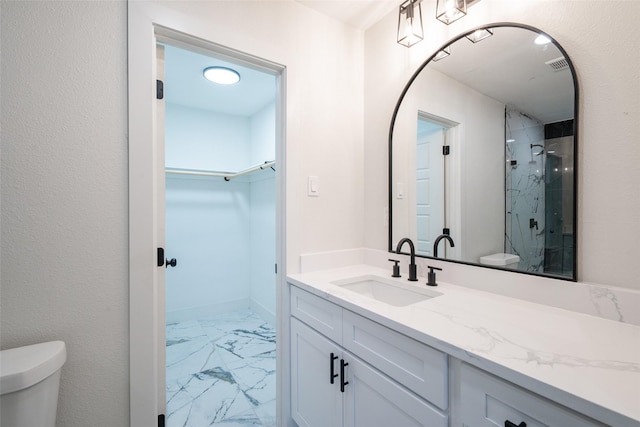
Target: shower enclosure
[539, 193]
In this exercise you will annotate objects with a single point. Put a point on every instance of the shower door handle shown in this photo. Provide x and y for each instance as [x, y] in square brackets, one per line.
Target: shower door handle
[171, 263]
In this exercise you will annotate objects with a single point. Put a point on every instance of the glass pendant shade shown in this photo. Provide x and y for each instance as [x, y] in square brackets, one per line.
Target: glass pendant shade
[442, 54]
[410, 29]
[480, 34]
[449, 11]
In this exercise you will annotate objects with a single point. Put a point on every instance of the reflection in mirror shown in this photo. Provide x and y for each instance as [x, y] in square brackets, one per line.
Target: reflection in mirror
[482, 154]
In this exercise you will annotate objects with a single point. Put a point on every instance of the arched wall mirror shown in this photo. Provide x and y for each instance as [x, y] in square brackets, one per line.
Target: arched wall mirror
[482, 149]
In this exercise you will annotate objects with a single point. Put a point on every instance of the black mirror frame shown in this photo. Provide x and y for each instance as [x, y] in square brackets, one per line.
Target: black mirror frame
[574, 276]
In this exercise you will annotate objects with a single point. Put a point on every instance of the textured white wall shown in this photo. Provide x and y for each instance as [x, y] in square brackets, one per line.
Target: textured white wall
[64, 197]
[609, 113]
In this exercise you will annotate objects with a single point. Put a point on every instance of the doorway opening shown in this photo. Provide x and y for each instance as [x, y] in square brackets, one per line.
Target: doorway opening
[220, 226]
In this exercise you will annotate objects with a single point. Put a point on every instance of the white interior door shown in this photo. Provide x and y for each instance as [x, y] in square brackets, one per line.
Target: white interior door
[429, 185]
[160, 230]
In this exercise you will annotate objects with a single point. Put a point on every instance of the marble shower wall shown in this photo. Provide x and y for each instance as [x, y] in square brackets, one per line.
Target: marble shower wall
[525, 188]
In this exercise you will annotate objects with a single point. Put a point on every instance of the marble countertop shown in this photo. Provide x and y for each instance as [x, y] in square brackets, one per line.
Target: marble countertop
[583, 362]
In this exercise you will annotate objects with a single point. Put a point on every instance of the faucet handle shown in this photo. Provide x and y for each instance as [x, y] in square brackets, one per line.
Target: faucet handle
[396, 268]
[431, 276]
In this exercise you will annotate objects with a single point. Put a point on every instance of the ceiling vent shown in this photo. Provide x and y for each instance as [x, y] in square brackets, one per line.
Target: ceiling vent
[558, 64]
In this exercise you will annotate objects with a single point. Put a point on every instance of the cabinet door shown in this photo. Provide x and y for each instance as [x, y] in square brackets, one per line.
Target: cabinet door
[373, 400]
[315, 402]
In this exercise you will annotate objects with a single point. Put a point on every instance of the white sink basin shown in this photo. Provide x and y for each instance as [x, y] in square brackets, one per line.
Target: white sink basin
[386, 290]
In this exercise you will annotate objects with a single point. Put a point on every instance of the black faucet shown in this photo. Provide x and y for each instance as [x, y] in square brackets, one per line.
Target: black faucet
[435, 244]
[413, 270]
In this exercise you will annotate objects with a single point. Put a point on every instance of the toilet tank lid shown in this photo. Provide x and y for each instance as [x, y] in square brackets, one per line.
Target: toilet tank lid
[499, 259]
[23, 367]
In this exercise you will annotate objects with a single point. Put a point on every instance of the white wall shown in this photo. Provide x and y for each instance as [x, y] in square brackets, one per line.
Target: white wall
[64, 271]
[262, 247]
[609, 113]
[64, 169]
[207, 219]
[207, 232]
[221, 232]
[262, 135]
[200, 139]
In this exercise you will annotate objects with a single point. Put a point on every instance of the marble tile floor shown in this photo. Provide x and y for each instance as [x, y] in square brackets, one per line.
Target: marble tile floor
[221, 372]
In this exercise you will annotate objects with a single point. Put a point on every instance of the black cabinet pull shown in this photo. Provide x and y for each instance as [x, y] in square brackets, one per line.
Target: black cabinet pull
[510, 424]
[331, 359]
[342, 381]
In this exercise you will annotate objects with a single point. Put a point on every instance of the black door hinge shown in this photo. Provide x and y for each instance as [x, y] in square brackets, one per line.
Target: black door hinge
[276, 268]
[160, 257]
[161, 420]
[446, 150]
[159, 89]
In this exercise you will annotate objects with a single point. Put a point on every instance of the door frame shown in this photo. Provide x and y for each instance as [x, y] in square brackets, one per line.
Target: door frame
[149, 23]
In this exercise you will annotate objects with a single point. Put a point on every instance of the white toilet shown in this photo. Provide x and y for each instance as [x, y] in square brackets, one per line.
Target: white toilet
[509, 261]
[29, 382]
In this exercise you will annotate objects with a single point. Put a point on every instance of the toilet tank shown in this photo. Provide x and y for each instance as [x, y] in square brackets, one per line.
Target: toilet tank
[29, 383]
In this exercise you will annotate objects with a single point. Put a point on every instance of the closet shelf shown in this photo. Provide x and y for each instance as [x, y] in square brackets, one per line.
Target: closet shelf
[226, 175]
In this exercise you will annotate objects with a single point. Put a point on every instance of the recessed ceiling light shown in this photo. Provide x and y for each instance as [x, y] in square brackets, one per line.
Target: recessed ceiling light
[542, 39]
[221, 75]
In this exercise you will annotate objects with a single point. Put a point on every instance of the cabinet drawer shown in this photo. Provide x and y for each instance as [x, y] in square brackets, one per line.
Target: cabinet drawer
[416, 366]
[489, 401]
[318, 313]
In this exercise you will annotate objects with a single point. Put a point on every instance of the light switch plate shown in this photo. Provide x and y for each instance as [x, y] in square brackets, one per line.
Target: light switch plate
[313, 188]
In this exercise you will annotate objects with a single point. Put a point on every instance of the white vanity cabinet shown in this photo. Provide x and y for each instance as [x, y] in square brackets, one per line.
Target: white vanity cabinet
[349, 371]
[486, 400]
[462, 359]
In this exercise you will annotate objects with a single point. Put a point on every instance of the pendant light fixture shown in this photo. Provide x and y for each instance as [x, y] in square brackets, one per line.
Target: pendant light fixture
[479, 34]
[410, 30]
[449, 11]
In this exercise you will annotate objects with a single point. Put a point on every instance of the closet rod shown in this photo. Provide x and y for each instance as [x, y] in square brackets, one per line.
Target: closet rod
[226, 175]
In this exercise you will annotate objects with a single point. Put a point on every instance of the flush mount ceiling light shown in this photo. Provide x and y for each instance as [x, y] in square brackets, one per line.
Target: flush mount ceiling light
[221, 75]
[480, 34]
[442, 54]
[410, 29]
[449, 11]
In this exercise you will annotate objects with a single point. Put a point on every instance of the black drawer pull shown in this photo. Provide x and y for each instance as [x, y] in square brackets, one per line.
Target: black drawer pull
[510, 424]
[342, 381]
[331, 359]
